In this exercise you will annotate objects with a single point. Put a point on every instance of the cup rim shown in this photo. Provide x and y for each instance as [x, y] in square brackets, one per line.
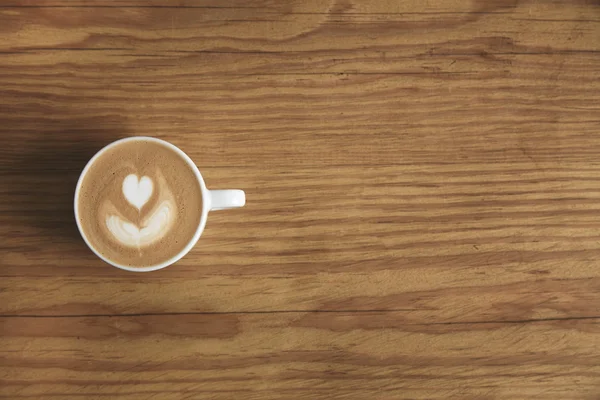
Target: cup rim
[203, 217]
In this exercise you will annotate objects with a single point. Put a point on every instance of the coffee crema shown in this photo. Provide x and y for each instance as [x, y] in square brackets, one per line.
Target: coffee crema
[139, 203]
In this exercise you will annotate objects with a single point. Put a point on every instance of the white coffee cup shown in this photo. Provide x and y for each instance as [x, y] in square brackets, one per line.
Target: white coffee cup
[212, 200]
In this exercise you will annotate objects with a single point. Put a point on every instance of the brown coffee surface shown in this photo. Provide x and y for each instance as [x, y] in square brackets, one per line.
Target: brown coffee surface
[140, 203]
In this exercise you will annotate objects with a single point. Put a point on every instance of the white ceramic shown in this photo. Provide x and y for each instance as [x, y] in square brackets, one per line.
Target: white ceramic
[211, 200]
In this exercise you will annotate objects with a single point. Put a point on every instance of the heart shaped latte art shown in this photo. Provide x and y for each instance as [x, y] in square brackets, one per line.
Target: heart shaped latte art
[137, 191]
[152, 226]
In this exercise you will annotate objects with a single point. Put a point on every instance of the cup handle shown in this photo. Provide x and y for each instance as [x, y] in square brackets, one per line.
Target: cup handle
[224, 199]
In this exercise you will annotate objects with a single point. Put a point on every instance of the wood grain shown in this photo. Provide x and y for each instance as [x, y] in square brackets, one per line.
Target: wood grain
[423, 199]
[344, 355]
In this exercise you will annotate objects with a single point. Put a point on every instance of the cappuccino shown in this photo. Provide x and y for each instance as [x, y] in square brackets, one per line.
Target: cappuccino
[140, 203]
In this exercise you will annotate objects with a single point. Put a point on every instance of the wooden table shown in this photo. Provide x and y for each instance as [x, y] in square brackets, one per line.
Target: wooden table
[423, 183]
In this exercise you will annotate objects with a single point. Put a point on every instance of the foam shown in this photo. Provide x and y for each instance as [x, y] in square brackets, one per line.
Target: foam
[140, 203]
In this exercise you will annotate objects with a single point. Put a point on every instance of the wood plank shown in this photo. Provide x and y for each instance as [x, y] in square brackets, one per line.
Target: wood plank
[314, 355]
[420, 238]
[318, 121]
[311, 28]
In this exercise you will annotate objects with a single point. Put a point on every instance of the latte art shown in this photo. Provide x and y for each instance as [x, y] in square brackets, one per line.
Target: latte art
[154, 226]
[140, 203]
[130, 235]
[137, 192]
